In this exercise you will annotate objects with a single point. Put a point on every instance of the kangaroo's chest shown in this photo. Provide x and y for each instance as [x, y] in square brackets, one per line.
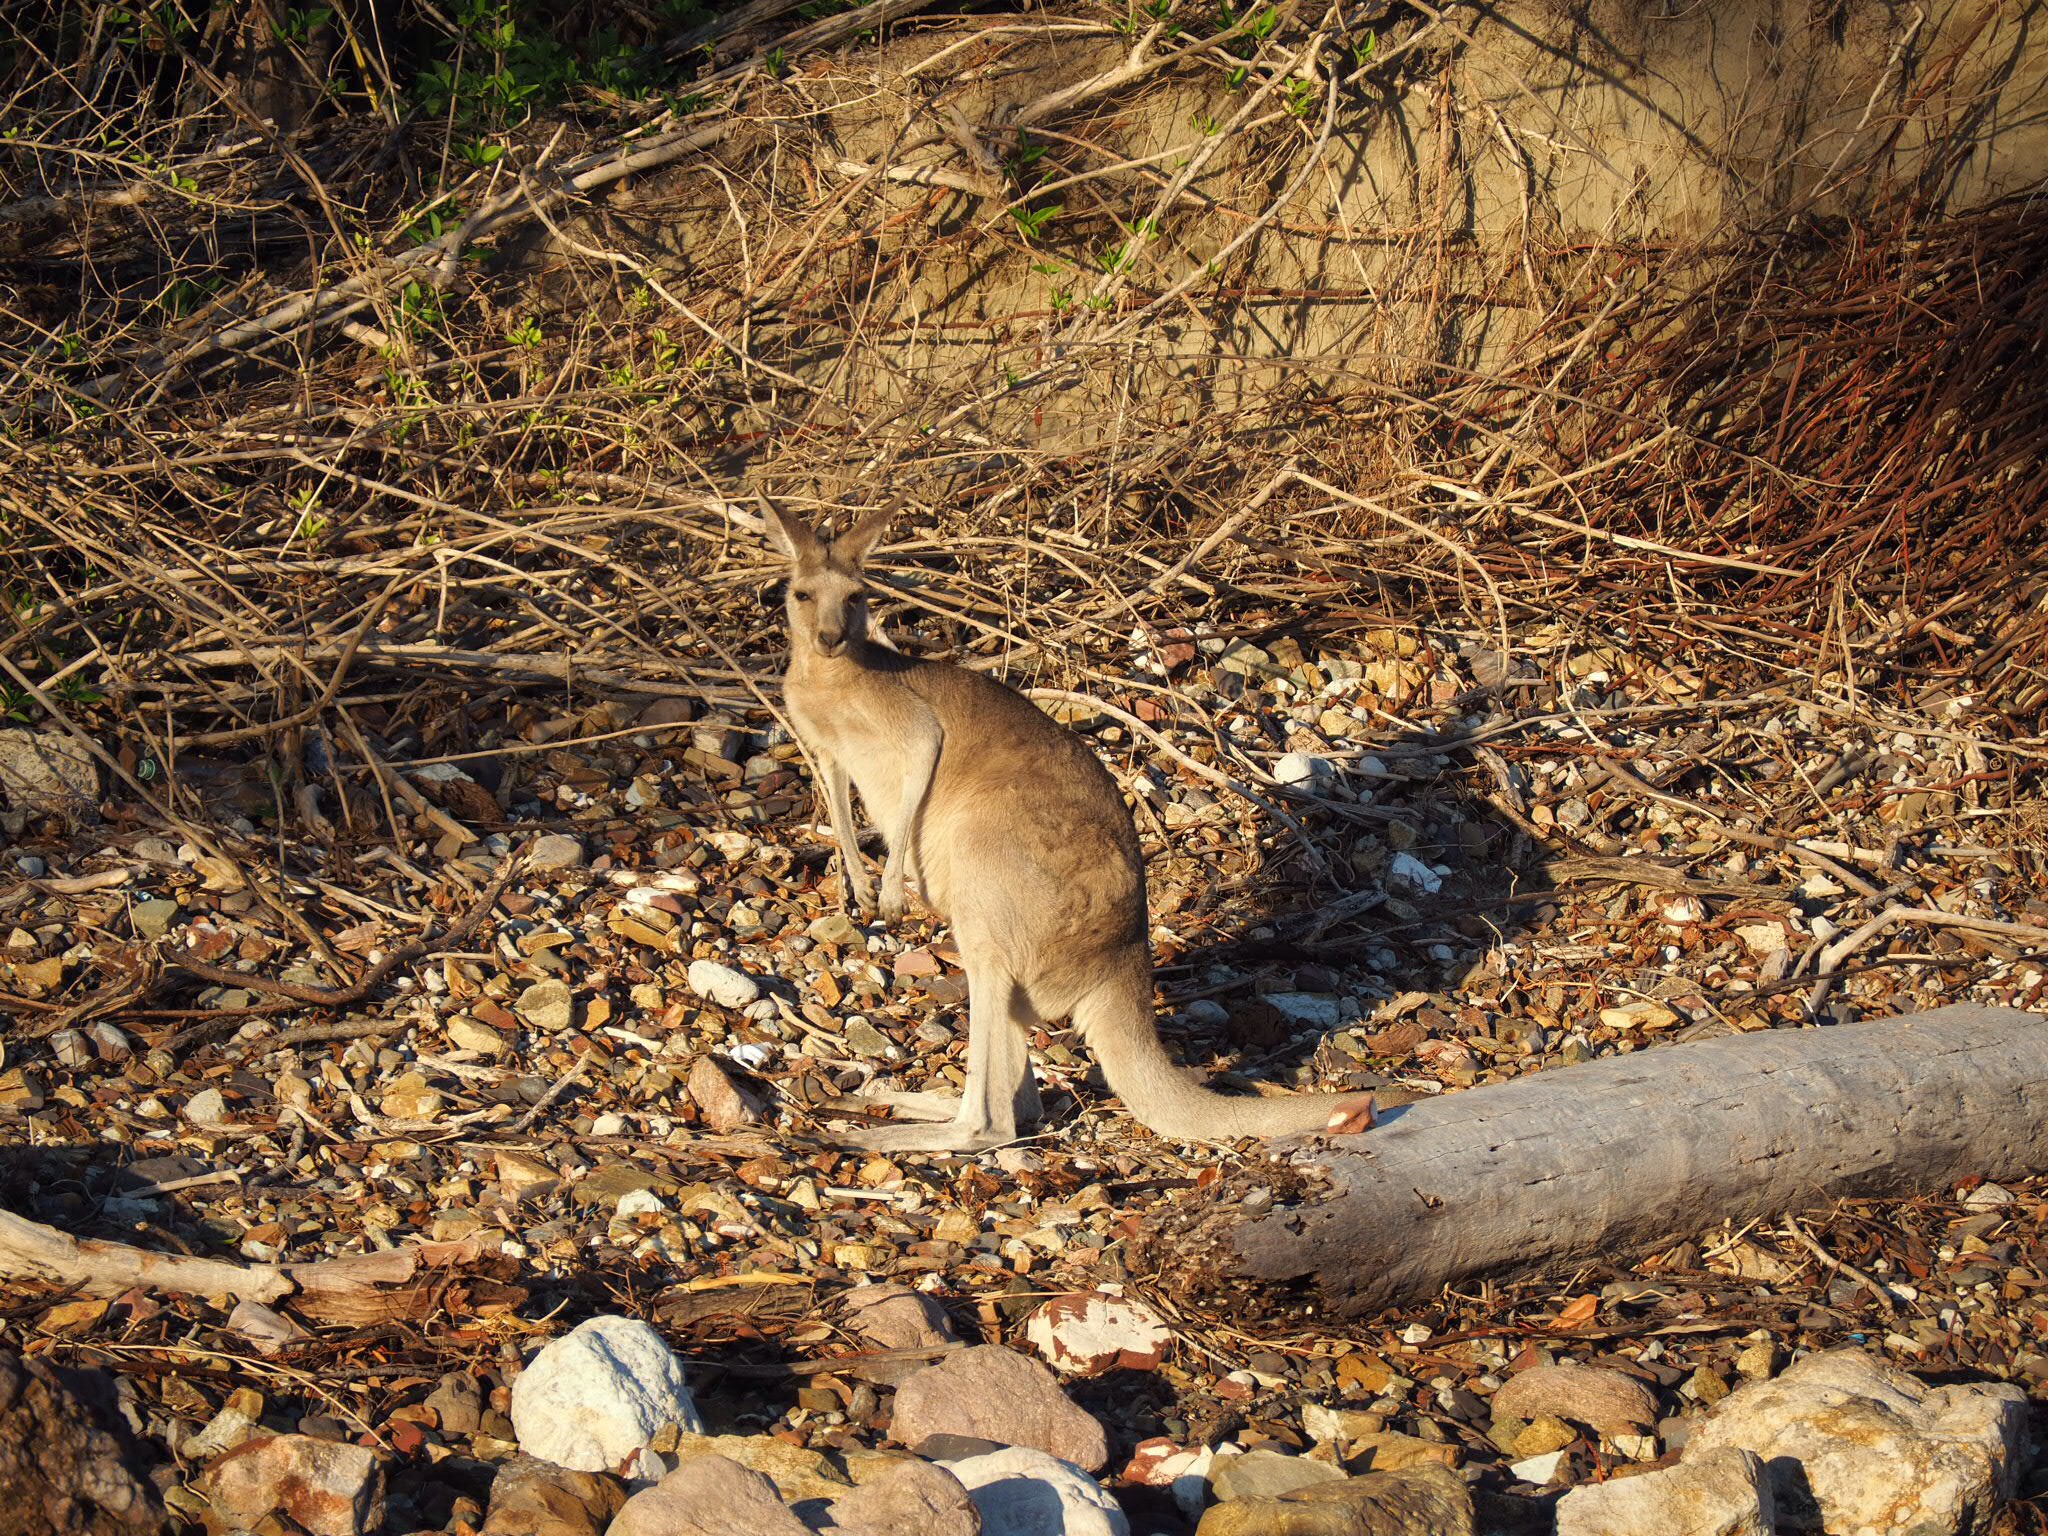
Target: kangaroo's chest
[866, 739]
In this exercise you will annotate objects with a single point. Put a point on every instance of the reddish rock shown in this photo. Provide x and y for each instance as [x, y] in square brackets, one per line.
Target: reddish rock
[725, 1105]
[1608, 1401]
[330, 1488]
[997, 1394]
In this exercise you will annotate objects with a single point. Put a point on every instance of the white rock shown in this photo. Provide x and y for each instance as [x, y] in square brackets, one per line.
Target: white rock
[1859, 1449]
[1415, 874]
[1538, 1469]
[1022, 1492]
[1299, 770]
[597, 1395]
[723, 985]
[1762, 939]
[1724, 1493]
[206, 1107]
[1091, 1333]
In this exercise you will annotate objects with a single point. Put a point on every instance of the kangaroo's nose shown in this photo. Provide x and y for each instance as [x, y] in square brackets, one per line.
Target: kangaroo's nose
[829, 639]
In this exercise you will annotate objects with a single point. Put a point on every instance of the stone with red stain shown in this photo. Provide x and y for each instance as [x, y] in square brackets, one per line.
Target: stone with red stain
[914, 963]
[1092, 1332]
[330, 1488]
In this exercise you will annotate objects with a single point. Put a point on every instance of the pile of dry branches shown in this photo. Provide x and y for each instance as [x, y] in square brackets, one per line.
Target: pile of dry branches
[310, 430]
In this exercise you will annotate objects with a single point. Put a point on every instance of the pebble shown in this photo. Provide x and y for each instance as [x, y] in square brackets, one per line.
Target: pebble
[554, 851]
[323, 1486]
[1608, 1401]
[1309, 774]
[723, 985]
[1091, 1333]
[153, 918]
[1267, 1474]
[1727, 1493]
[207, 1107]
[547, 1006]
[708, 1496]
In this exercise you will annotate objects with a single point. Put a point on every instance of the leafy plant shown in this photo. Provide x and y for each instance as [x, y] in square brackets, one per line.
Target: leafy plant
[525, 334]
[1031, 222]
[480, 154]
[300, 23]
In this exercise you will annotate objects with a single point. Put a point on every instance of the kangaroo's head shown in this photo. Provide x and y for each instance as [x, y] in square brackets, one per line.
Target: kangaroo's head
[827, 596]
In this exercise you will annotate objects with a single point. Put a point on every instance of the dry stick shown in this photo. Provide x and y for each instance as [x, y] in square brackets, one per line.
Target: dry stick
[385, 774]
[1500, 610]
[1806, 1241]
[1834, 954]
[1214, 775]
[342, 997]
[327, 694]
[89, 1266]
[1797, 849]
[204, 840]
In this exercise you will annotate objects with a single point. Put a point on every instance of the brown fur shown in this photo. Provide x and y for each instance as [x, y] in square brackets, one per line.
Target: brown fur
[1018, 836]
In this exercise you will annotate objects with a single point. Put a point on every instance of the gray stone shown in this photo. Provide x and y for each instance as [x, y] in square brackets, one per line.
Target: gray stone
[555, 851]
[863, 1039]
[723, 985]
[49, 773]
[1267, 1474]
[153, 918]
[457, 1403]
[206, 1107]
[1301, 771]
[547, 1006]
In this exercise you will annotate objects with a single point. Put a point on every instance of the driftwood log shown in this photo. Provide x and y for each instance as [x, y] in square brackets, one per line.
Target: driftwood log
[1619, 1156]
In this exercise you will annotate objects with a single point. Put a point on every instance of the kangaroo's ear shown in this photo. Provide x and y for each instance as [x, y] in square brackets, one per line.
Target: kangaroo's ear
[859, 541]
[788, 532]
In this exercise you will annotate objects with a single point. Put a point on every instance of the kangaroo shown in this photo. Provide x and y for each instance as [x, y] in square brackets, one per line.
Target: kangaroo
[1018, 836]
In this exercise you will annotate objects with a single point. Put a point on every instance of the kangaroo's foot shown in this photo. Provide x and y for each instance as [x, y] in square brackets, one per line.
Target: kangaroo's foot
[908, 1106]
[951, 1137]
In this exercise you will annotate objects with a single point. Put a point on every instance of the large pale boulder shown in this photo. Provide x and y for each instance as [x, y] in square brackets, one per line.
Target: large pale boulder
[1855, 1448]
[595, 1397]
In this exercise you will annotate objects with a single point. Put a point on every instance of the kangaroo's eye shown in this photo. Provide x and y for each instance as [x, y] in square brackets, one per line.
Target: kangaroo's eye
[801, 595]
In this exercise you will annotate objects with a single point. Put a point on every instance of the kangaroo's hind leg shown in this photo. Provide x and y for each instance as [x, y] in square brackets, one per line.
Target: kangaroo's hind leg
[1000, 1093]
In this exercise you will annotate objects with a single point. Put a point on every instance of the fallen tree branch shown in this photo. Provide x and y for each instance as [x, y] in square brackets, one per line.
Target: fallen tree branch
[1620, 1156]
[90, 1266]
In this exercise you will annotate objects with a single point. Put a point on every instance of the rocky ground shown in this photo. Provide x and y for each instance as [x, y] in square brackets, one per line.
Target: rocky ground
[1399, 863]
